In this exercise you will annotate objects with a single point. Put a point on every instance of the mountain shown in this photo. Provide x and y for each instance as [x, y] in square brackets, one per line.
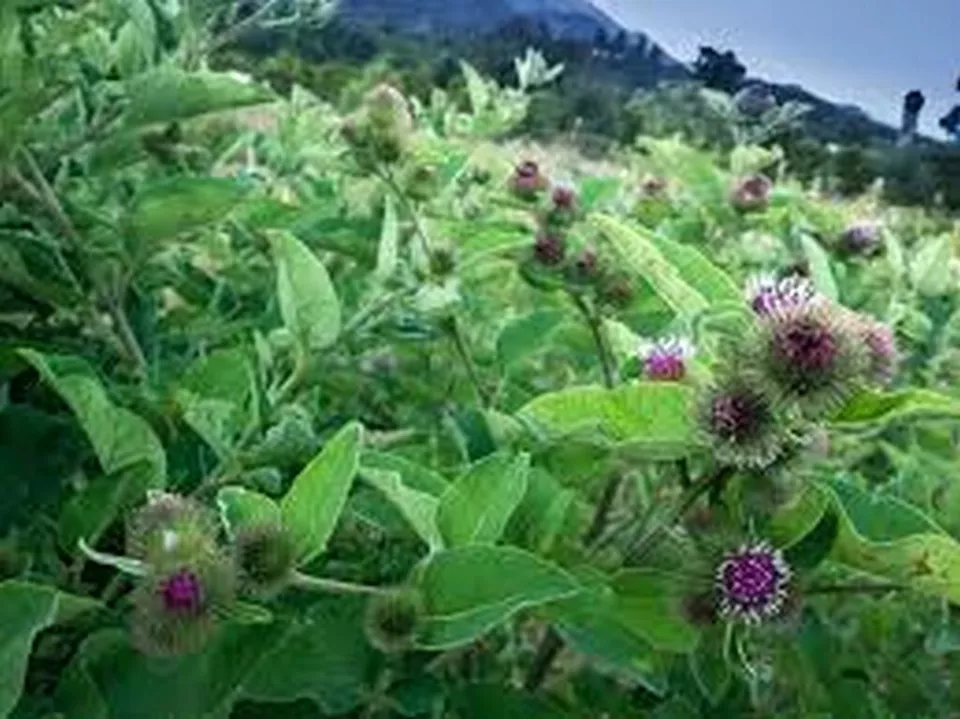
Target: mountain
[581, 21]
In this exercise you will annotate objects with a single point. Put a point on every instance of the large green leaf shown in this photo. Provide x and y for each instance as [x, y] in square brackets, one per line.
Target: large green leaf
[217, 397]
[486, 701]
[170, 94]
[654, 418]
[415, 476]
[898, 544]
[526, 335]
[590, 625]
[418, 508]
[321, 656]
[539, 519]
[878, 407]
[26, 610]
[641, 256]
[477, 508]
[389, 245]
[131, 455]
[240, 507]
[312, 506]
[649, 603]
[308, 301]
[701, 274]
[470, 590]
[167, 208]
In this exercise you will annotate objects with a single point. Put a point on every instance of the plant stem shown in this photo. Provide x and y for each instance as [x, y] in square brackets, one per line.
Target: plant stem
[459, 342]
[333, 586]
[128, 339]
[550, 647]
[856, 588]
[596, 331]
[648, 543]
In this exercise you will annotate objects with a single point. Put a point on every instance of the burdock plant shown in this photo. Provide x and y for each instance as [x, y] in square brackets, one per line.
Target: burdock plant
[667, 359]
[813, 356]
[742, 422]
[752, 583]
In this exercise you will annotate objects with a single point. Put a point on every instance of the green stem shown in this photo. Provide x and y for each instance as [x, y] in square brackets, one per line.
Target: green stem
[650, 542]
[596, 331]
[460, 344]
[332, 586]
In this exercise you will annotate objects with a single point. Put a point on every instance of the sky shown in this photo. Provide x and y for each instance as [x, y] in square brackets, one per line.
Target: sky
[860, 52]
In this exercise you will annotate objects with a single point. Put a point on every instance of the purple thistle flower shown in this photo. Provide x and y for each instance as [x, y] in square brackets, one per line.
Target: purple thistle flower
[752, 583]
[751, 193]
[767, 294]
[742, 423]
[182, 592]
[815, 355]
[549, 249]
[666, 360]
[862, 238]
[564, 197]
[527, 180]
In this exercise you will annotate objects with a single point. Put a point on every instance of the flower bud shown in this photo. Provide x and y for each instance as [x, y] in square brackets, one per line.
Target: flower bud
[265, 557]
[393, 619]
[862, 238]
[549, 249]
[752, 193]
[171, 528]
[616, 290]
[527, 181]
[666, 360]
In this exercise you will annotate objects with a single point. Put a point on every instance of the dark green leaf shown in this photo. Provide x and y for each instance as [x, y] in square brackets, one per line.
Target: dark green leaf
[167, 208]
[470, 590]
[880, 407]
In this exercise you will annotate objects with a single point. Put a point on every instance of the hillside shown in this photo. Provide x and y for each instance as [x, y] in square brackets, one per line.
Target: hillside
[580, 20]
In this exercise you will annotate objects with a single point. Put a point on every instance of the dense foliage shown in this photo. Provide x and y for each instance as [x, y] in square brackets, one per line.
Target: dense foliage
[326, 410]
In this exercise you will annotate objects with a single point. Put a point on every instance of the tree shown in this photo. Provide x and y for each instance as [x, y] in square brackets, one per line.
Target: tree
[719, 71]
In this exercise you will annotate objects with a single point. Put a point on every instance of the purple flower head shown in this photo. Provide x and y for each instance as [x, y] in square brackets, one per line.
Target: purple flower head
[564, 197]
[752, 583]
[862, 238]
[666, 360]
[182, 592]
[549, 249]
[742, 423]
[815, 355]
[751, 193]
[768, 295]
[527, 180]
[653, 186]
[806, 343]
[737, 415]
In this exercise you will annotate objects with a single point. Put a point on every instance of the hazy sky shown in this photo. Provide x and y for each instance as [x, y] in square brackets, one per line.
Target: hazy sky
[863, 52]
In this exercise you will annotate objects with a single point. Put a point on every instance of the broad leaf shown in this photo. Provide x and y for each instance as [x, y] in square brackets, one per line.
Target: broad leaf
[217, 397]
[476, 509]
[470, 590]
[654, 418]
[648, 603]
[820, 271]
[418, 508]
[414, 476]
[526, 335]
[167, 208]
[170, 94]
[641, 256]
[486, 701]
[129, 452]
[308, 301]
[870, 407]
[241, 508]
[715, 285]
[26, 610]
[318, 494]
